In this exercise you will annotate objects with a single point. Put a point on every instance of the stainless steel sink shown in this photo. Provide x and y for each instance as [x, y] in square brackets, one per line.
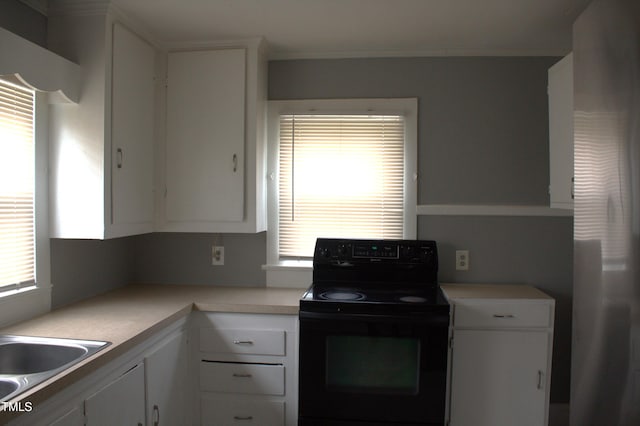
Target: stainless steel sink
[27, 361]
[7, 387]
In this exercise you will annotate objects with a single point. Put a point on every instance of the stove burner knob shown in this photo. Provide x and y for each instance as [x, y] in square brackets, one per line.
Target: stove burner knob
[342, 249]
[409, 252]
[324, 252]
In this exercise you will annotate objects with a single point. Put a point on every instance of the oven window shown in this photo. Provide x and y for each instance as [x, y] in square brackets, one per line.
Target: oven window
[383, 365]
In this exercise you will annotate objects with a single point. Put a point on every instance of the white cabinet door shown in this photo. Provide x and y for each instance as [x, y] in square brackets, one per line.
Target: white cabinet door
[101, 150]
[561, 133]
[166, 372]
[119, 403]
[205, 145]
[132, 128]
[74, 417]
[499, 378]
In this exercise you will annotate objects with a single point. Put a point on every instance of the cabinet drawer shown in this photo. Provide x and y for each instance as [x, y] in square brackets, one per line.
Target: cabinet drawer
[225, 412]
[239, 341]
[229, 377]
[508, 314]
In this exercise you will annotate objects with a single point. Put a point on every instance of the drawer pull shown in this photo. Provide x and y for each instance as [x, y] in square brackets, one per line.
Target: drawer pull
[503, 316]
[242, 417]
[241, 375]
[243, 342]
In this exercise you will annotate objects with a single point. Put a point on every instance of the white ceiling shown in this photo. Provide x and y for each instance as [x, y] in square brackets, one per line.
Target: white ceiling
[356, 28]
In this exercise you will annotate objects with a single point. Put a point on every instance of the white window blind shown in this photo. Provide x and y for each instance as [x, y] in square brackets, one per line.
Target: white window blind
[17, 174]
[339, 176]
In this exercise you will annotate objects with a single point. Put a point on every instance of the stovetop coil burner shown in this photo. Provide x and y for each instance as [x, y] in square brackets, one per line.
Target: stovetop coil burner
[342, 295]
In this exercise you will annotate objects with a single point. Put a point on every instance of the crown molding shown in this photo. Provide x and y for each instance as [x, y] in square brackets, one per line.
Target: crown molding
[285, 54]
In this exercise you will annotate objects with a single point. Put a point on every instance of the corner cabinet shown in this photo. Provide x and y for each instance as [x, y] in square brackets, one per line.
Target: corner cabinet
[102, 149]
[214, 153]
[560, 89]
[501, 345]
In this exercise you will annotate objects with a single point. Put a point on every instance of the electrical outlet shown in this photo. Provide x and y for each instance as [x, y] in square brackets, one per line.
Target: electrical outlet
[462, 260]
[217, 255]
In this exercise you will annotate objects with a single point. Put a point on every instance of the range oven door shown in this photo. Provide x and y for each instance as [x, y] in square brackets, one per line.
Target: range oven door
[372, 369]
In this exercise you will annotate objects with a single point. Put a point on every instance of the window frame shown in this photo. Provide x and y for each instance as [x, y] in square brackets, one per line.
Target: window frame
[27, 302]
[298, 273]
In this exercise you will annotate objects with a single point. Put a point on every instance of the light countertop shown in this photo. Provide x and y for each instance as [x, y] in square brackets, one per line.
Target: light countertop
[129, 315]
[492, 291]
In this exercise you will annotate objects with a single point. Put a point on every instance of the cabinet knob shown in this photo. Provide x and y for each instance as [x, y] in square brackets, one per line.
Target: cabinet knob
[503, 316]
[242, 375]
[235, 162]
[243, 342]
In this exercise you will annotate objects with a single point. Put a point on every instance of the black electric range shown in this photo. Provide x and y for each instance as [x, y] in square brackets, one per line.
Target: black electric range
[370, 276]
[373, 335]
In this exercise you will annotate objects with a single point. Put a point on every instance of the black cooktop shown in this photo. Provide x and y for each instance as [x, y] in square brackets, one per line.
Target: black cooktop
[374, 276]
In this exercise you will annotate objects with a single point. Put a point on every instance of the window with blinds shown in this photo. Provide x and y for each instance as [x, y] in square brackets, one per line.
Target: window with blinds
[17, 182]
[339, 176]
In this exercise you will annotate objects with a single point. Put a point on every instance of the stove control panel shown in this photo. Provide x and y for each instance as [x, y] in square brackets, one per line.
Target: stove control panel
[389, 251]
[375, 250]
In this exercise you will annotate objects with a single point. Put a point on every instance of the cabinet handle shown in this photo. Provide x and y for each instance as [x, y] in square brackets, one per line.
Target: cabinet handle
[241, 375]
[504, 316]
[573, 188]
[120, 158]
[243, 342]
[540, 375]
[156, 415]
[242, 417]
[235, 162]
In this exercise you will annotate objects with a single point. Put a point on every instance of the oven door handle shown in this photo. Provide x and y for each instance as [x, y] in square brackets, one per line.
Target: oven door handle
[424, 318]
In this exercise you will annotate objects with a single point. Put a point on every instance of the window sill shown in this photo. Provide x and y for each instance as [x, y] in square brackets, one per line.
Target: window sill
[23, 304]
[289, 274]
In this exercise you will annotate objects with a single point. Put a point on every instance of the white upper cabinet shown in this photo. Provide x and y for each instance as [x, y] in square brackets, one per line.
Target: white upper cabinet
[102, 150]
[561, 133]
[205, 136]
[213, 165]
[132, 124]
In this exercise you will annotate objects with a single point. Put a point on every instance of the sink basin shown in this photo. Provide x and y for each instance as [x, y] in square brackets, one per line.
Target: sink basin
[7, 387]
[29, 358]
[28, 361]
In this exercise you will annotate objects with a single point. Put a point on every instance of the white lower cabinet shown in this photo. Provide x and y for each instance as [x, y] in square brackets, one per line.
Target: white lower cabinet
[73, 417]
[147, 385]
[240, 369]
[247, 370]
[121, 402]
[166, 382]
[500, 356]
[499, 378]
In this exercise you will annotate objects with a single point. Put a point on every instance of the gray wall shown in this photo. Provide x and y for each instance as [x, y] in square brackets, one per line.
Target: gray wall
[483, 139]
[483, 126]
[176, 258]
[85, 268]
